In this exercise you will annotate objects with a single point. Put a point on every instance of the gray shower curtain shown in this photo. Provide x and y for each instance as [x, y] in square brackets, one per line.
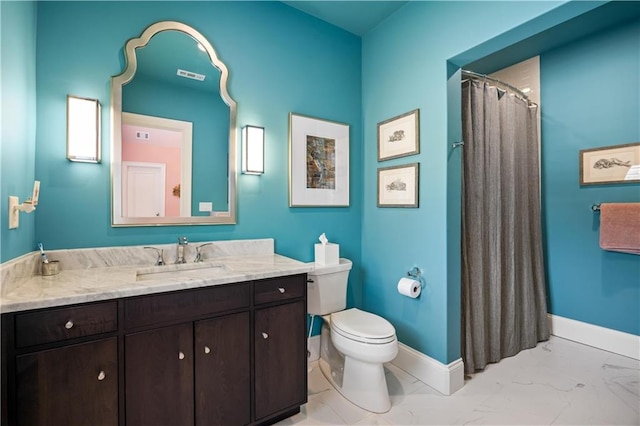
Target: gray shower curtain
[504, 306]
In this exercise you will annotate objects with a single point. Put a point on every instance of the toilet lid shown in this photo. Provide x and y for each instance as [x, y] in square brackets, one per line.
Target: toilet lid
[363, 326]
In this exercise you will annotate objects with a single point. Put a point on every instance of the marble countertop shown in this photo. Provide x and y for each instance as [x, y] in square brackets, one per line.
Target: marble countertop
[103, 283]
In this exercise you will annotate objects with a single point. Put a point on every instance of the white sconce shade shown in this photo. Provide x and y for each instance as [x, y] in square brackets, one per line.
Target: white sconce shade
[83, 129]
[252, 150]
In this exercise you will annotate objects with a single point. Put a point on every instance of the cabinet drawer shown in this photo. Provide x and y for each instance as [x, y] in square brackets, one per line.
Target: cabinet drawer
[185, 305]
[52, 325]
[281, 288]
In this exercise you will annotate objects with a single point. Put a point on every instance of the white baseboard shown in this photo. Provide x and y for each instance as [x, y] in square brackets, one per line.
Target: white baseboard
[314, 348]
[449, 378]
[618, 342]
[446, 379]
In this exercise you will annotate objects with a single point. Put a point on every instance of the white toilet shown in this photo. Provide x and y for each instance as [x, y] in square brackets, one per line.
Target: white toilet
[354, 344]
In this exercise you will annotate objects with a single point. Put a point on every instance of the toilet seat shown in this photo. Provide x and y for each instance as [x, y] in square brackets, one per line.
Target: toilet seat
[362, 326]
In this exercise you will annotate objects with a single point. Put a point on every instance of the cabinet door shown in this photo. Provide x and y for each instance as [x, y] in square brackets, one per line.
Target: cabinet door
[159, 376]
[74, 385]
[280, 358]
[223, 367]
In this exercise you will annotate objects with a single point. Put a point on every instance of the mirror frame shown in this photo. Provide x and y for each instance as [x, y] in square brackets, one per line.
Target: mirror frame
[131, 64]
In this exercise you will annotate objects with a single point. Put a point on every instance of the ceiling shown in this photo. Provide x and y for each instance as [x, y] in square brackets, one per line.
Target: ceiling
[357, 17]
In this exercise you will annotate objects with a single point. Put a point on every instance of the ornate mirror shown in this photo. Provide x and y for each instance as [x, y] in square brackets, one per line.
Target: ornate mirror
[173, 132]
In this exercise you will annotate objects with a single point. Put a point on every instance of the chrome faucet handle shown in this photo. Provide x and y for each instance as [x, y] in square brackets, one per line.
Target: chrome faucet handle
[182, 241]
[198, 254]
[160, 253]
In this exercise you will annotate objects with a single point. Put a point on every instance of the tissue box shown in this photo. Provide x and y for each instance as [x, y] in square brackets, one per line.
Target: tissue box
[327, 254]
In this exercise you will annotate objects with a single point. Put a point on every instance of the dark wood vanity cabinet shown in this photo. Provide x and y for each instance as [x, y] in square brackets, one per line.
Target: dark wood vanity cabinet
[225, 355]
[195, 372]
[60, 366]
[159, 376]
[72, 385]
[278, 336]
[191, 373]
[223, 365]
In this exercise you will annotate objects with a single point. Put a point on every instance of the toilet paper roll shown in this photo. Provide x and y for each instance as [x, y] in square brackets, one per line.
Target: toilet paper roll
[409, 287]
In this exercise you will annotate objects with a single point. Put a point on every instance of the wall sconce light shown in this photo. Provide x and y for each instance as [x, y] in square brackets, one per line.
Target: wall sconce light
[83, 129]
[28, 206]
[252, 150]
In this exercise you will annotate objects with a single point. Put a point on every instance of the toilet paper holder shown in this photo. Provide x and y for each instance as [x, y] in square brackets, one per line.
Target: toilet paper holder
[415, 273]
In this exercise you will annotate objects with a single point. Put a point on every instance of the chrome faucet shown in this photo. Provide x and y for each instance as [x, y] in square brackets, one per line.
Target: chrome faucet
[198, 253]
[160, 253]
[182, 244]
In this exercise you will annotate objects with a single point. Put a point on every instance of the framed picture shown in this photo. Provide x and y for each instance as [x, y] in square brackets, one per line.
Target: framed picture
[399, 136]
[398, 186]
[610, 164]
[318, 162]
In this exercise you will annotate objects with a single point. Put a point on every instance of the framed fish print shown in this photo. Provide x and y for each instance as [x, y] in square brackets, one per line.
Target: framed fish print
[610, 164]
[318, 162]
[399, 136]
[398, 186]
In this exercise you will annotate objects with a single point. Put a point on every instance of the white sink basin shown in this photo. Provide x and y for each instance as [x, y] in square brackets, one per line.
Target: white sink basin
[182, 271]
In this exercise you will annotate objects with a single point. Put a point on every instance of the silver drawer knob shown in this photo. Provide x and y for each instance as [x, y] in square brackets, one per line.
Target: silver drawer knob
[101, 376]
[68, 325]
[265, 336]
[281, 289]
[207, 350]
[181, 355]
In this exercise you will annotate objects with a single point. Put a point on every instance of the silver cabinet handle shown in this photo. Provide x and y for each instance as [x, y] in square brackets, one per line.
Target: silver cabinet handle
[281, 290]
[207, 350]
[68, 325]
[181, 355]
[265, 335]
[101, 376]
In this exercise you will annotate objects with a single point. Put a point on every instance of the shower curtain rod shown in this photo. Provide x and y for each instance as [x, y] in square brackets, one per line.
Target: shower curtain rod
[495, 80]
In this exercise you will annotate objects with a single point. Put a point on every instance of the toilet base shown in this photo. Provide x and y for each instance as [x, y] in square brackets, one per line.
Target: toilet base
[362, 383]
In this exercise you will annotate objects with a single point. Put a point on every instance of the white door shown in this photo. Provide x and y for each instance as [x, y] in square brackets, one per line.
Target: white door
[143, 187]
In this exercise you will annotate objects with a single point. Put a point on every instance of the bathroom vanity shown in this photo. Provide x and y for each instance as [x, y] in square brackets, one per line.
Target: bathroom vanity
[229, 348]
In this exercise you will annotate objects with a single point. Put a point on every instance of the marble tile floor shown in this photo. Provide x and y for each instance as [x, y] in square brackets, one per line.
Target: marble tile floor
[559, 382]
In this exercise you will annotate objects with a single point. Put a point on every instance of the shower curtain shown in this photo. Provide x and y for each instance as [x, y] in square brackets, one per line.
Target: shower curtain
[503, 283]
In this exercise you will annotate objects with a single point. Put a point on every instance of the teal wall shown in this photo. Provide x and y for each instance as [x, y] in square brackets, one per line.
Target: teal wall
[280, 61]
[18, 121]
[422, 47]
[404, 64]
[590, 98]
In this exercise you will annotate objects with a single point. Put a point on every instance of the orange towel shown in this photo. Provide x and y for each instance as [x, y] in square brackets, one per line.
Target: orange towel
[620, 227]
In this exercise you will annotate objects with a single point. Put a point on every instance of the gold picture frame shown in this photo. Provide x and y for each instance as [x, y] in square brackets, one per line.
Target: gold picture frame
[610, 164]
[399, 136]
[318, 162]
[398, 186]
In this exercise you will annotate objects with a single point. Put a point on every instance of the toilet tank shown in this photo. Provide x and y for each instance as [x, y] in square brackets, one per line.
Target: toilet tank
[327, 288]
